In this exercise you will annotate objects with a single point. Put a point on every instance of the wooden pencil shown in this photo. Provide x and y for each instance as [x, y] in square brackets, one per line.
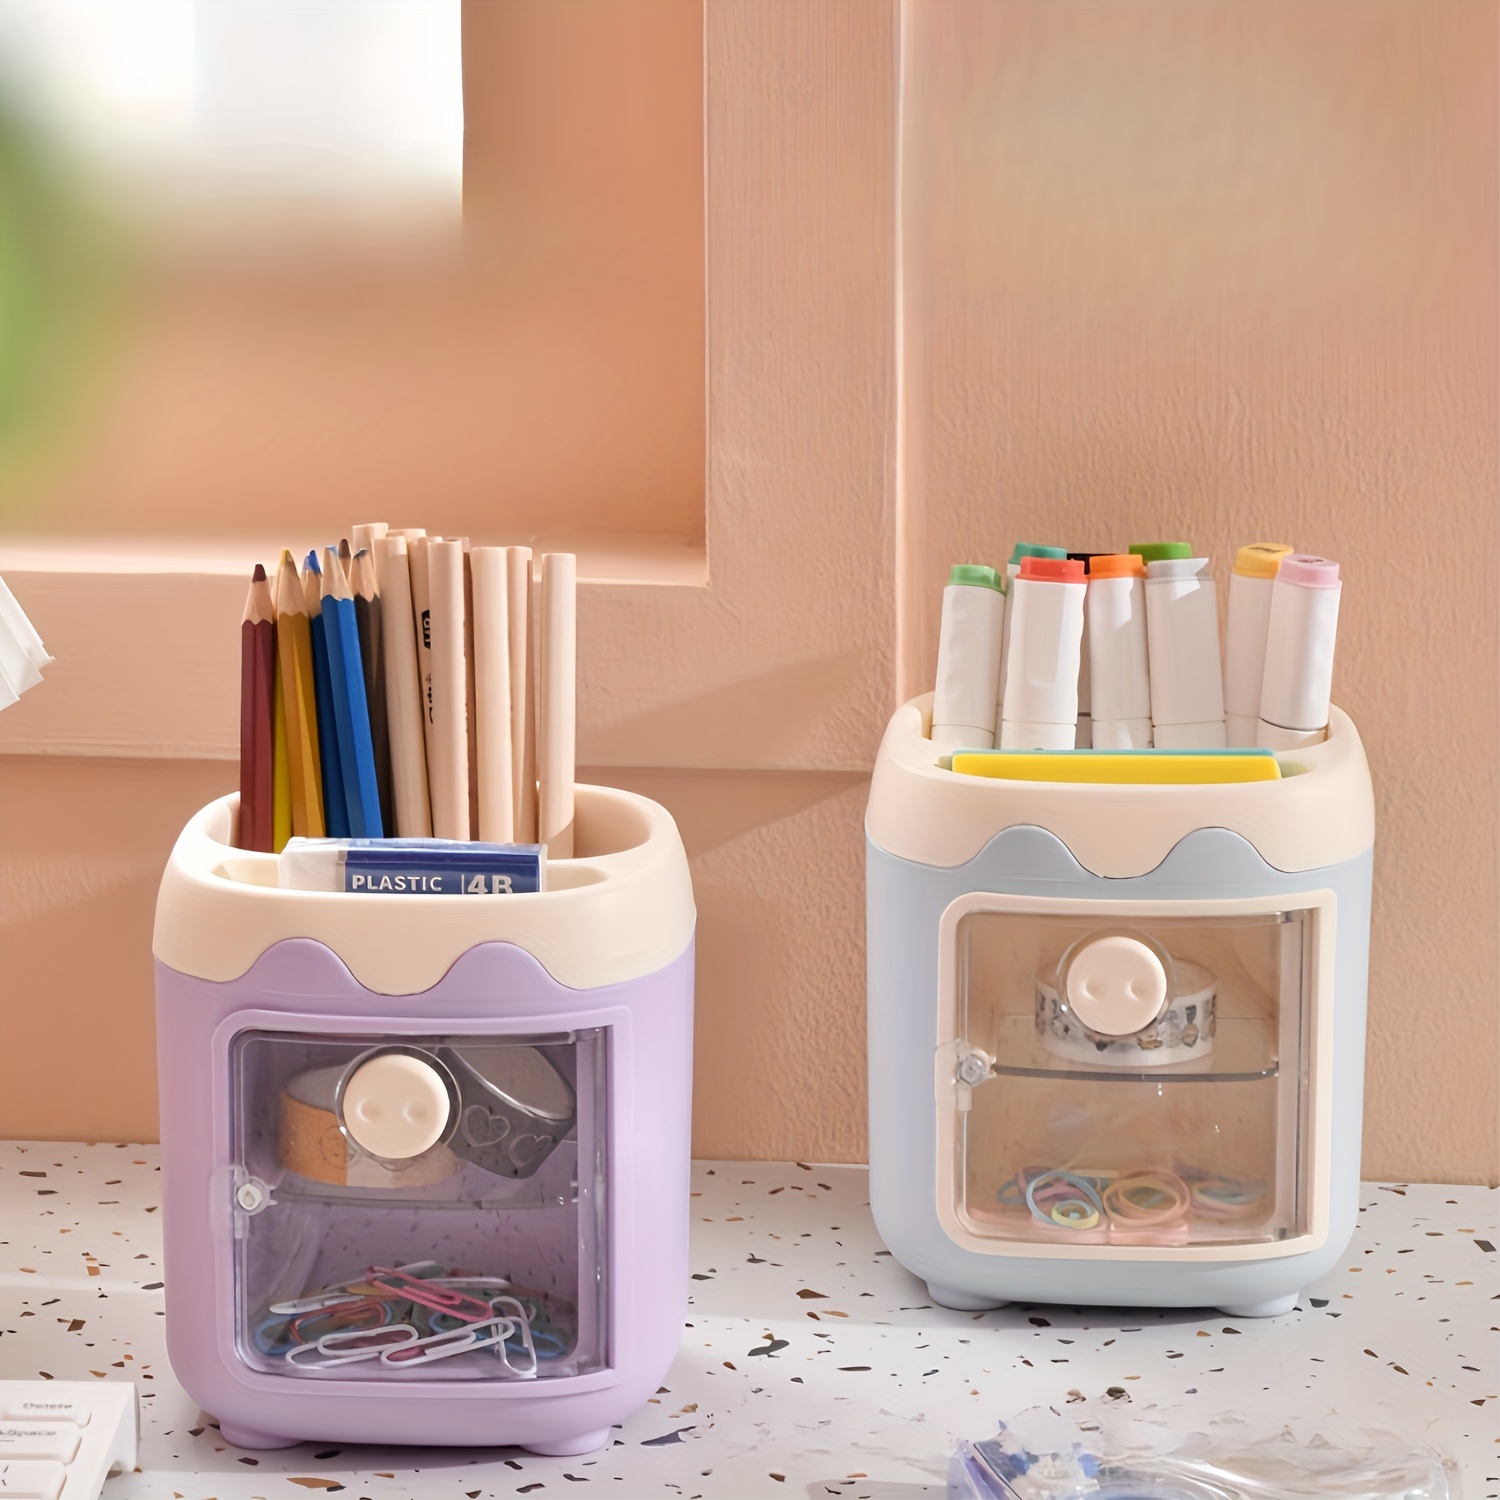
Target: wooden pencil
[335, 804]
[351, 711]
[556, 700]
[403, 691]
[296, 679]
[491, 630]
[366, 534]
[421, 610]
[471, 716]
[448, 744]
[522, 692]
[365, 587]
[258, 717]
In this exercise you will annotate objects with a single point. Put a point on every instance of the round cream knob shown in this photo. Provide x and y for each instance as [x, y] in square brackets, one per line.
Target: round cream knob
[1116, 985]
[395, 1106]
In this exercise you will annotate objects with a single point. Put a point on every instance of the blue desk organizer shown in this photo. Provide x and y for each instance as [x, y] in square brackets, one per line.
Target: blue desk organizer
[1031, 1143]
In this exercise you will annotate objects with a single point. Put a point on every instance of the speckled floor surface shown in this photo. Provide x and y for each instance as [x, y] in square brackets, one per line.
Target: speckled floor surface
[811, 1363]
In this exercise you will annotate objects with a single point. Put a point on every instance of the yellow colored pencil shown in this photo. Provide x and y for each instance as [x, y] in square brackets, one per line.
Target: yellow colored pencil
[281, 787]
[294, 661]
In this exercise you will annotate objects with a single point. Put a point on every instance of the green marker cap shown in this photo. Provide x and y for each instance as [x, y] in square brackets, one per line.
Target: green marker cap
[977, 575]
[1161, 551]
[1031, 549]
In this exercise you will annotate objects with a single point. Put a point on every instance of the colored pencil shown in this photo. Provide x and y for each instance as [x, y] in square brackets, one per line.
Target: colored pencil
[335, 804]
[294, 658]
[556, 701]
[281, 778]
[522, 693]
[448, 744]
[258, 716]
[351, 712]
[403, 691]
[364, 584]
[491, 659]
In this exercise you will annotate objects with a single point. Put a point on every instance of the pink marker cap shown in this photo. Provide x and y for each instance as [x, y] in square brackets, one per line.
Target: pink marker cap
[1310, 572]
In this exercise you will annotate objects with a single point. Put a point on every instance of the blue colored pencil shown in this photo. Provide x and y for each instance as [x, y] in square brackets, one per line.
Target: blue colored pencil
[351, 708]
[335, 806]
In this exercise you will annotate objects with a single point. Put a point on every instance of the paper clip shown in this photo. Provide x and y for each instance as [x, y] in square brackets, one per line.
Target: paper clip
[340, 1348]
[359, 1315]
[314, 1303]
[522, 1326]
[442, 1299]
[446, 1344]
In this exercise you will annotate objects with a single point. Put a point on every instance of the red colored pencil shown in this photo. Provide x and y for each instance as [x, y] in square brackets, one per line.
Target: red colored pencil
[257, 706]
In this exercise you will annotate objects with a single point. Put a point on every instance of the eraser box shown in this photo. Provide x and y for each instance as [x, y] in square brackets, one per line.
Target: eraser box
[425, 1158]
[1036, 1134]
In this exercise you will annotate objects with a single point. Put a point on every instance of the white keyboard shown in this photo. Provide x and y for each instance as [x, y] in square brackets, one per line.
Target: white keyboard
[60, 1439]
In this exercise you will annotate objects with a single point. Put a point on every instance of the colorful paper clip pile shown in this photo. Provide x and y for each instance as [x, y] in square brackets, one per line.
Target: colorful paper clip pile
[407, 1315]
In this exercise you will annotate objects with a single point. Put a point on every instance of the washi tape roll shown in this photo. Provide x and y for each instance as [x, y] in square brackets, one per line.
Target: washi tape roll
[310, 1143]
[1184, 1029]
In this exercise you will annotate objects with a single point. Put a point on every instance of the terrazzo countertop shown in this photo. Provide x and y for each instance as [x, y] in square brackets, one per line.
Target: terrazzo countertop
[811, 1363]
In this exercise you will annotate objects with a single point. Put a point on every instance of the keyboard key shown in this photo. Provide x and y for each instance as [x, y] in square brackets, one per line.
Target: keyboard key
[42, 1409]
[30, 1481]
[57, 1440]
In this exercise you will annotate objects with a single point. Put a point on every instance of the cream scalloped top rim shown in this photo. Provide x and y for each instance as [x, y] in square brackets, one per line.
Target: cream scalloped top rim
[1321, 812]
[622, 909]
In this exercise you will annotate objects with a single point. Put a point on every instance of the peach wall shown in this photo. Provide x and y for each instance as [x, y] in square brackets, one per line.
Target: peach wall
[1230, 271]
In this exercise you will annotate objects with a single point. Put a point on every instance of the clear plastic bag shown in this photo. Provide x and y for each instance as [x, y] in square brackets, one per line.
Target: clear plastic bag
[1041, 1455]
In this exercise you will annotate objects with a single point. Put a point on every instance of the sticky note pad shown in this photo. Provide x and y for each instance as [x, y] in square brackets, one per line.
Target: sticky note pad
[1123, 767]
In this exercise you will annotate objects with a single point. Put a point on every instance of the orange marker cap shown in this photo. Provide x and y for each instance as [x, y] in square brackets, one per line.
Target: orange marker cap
[1117, 565]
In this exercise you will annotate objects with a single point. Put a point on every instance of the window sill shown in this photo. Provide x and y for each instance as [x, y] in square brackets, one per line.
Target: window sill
[143, 632]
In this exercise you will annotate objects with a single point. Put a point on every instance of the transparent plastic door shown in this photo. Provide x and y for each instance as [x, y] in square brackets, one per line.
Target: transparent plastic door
[1137, 1082]
[428, 1208]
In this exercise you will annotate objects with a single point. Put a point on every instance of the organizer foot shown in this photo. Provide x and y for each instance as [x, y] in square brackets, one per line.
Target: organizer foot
[248, 1437]
[570, 1447]
[1272, 1309]
[947, 1296]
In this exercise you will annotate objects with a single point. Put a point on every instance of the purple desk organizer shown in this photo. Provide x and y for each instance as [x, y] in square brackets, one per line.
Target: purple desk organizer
[557, 1192]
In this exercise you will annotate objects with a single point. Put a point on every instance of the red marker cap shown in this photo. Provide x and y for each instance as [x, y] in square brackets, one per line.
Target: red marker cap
[1052, 569]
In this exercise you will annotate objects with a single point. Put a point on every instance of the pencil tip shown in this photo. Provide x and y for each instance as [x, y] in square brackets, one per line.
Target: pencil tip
[259, 575]
[312, 561]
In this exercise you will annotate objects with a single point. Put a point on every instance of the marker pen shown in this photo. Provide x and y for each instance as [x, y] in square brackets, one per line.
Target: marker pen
[968, 664]
[1018, 554]
[1182, 634]
[1116, 624]
[1046, 634]
[1300, 640]
[1245, 640]
[1084, 739]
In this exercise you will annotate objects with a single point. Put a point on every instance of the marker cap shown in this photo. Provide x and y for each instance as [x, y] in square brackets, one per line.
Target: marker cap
[1309, 572]
[1052, 569]
[1161, 551]
[976, 575]
[1033, 549]
[1117, 565]
[1260, 559]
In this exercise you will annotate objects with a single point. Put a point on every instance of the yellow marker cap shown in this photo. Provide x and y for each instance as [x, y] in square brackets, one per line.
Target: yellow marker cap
[1260, 559]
